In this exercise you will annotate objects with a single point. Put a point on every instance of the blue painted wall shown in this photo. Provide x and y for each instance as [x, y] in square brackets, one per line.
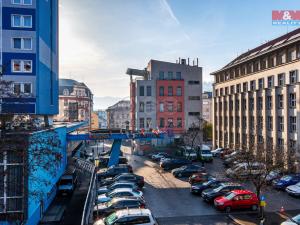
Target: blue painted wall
[46, 192]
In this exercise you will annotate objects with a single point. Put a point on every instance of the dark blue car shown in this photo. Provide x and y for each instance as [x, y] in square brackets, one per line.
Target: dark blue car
[285, 181]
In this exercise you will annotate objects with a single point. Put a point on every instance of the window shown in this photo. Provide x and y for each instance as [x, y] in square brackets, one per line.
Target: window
[280, 123]
[161, 122]
[21, 21]
[252, 85]
[24, 66]
[270, 122]
[280, 101]
[170, 106]
[261, 83]
[27, 88]
[237, 121]
[178, 75]
[194, 82]
[148, 106]
[161, 75]
[142, 107]
[148, 123]
[194, 113]
[65, 92]
[251, 122]
[170, 122]
[179, 122]
[170, 91]
[260, 122]
[17, 43]
[260, 139]
[244, 122]
[270, 81]
[292, 144]
[161, 91]
[244, 104]
[238, 88]
[161, 107]
[280, 142]
[170, 75]
[245, 87]
[194, 98]
[17, 88]
[179, 91]
[149, 91]
[293, 124]
[179, 107]
[65, 102]
[293, 76]
[292, 100]
[269, 102]
[251, 104]
[260, 103]
[142, 123]
[232, 89]
[142, 91]
[281, 79]
[22, 2]
[237, 104]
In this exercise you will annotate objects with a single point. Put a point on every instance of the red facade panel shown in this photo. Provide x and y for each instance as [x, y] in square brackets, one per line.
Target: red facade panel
[170, 105]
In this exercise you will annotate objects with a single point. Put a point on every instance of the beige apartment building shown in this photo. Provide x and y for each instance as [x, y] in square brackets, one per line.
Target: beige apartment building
[256, 97]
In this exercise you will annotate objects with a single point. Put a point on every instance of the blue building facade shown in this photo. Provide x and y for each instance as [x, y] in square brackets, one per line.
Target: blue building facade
[29, 56]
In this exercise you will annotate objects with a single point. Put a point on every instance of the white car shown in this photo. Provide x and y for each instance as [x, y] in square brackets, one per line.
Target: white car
[131, 216]
[216, 152]
[119, 192]
[294, 190]
[292, 221]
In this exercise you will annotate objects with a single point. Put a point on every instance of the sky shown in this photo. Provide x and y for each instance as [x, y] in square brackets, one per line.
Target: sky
[100, 39]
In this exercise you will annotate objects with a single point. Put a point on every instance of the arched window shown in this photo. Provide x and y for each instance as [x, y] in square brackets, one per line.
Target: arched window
[66, 92]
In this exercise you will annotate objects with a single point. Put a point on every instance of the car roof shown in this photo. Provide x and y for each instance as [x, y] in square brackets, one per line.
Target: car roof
[122, 189]
[123, 182]
[129, 198]
[242, 192]
[230, 184]
[133, 212]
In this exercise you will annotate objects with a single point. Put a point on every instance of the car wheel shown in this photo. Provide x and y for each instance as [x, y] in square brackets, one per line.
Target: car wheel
[254, 207]
[228, 209]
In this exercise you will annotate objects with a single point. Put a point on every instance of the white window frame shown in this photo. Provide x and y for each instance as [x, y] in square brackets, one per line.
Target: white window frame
[22, 21]
[22, 2]
[22, 65]
[22, 87]
[293, 76]
[22, 43]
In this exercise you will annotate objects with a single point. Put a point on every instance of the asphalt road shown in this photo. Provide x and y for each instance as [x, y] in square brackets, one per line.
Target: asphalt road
[171, 202]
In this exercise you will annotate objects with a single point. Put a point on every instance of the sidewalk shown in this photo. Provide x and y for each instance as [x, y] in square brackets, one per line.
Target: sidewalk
[271, 218]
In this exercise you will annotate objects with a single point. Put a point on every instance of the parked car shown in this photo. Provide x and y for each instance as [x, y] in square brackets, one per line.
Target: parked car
[200, 177]
[292, 221]
[285, 181]
[225, 152]
[245, 170]
[294, 190]
[197, 188]
[230, 162]
[105, 189]
[158, 156]
[272, 176]
[206, 155]
[125, 177]
[174, 163]
[232, 154]
[104, 209]
[131, 216]
[210, 194]
[237, 199]
[217, 152]
[113, 171]
[188, 170]
[67, 182]
[119, 192]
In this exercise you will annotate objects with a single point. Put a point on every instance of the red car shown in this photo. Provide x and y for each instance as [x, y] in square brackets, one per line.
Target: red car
[199, 177]
[237, 199]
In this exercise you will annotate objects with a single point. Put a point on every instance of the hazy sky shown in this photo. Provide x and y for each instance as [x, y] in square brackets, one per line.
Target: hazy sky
[100, 39]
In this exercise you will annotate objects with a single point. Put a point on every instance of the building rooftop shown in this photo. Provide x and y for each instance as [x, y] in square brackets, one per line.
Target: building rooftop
[264, 48]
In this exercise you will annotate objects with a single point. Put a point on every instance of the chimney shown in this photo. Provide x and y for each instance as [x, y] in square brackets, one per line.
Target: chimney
[183, 61]
[179, 61]
[197, 61]
[188, 61]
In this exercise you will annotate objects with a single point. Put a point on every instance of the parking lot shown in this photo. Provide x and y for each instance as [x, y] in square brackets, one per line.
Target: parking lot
[170, 200]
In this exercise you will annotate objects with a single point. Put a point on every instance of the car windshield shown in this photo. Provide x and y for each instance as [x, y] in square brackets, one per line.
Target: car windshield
[230, 196]
[286, 178]
[296, 219]
[205, 152]
[217, 189]
[111, 219]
